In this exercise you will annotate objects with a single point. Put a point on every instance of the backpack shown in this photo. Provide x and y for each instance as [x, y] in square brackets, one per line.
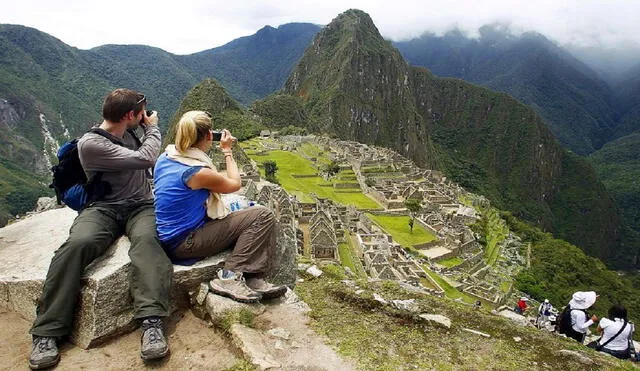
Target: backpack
[70, 181]
[563, 323]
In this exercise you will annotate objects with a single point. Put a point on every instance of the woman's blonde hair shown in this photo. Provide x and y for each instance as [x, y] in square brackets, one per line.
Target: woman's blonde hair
[192, 128]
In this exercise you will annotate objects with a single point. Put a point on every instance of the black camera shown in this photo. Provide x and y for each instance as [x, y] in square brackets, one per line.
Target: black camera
[149, 113]
[217, 135]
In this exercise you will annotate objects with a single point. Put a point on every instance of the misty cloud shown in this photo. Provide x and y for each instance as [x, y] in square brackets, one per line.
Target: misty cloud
[189, 26]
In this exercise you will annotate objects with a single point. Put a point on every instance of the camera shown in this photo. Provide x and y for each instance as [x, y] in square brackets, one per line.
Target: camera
[217, 135]
[149, 113]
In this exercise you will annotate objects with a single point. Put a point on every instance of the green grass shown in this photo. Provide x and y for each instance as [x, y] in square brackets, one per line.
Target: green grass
[398, 227]
[495, 230]
[450, 291]
[451, 262]
[290, 164]
[349, 259]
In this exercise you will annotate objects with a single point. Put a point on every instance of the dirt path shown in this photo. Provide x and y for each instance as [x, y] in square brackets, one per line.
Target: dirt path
[194, 345]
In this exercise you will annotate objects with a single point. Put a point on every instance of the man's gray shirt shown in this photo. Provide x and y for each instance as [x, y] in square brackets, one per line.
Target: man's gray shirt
[124, 166]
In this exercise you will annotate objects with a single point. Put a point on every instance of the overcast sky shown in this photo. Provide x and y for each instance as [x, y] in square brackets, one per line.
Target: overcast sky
[188, 26]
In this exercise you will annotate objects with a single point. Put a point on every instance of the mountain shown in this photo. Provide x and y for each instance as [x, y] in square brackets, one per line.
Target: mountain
[226, 112]
[627, 97]
[570, 97]
[255, 66]
[51, 92]
[355, 85]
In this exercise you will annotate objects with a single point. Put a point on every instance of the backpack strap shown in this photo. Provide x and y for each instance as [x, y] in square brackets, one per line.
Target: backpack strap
[613, 337]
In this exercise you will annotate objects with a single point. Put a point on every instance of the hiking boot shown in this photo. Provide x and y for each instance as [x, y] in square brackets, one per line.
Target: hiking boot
[268, 291]
[153, 343]
[44, 353]
[232, 285]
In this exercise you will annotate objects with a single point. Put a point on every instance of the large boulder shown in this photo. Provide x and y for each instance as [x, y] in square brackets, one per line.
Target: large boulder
[105, 309]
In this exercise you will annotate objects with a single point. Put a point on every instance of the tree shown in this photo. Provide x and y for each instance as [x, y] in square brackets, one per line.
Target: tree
[413, 205]
[270, 169]
[332, 168]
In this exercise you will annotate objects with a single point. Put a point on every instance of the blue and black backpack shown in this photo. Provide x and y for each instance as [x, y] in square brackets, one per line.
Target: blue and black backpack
[70, 181]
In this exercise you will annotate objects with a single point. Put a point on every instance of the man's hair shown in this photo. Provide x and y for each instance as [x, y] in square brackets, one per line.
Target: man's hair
[119, 102]
[618, 311]
[192, 128]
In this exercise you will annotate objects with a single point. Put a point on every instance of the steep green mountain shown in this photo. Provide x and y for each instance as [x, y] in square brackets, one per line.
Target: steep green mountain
[627, 97]
[226, 113]
[50, 91]
[568, 95]
[355, 85]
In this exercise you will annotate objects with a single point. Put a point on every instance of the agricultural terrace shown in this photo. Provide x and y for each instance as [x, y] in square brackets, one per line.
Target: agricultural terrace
[398, 227]
[299, 177]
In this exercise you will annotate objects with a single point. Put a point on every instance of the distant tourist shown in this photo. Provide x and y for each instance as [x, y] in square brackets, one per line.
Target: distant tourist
[477, 305]
[580, 319]
[112, 151]
[193, 223]
[544, 311]
[521, 307]
[616, 332]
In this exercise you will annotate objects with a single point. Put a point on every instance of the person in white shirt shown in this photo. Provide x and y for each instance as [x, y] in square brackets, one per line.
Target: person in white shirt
[544, 311]
[580, 321]
[616, 332]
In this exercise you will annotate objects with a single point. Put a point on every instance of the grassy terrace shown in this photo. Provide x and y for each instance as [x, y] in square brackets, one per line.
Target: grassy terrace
[291, 164]
[450, 291]
[348, 257]
[451, 262]
[495, 231]
[398, 227]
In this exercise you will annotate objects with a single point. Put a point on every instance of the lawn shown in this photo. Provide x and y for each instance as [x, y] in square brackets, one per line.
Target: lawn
[398, 227]
[451, 262]
[290, 164]
[450, 291]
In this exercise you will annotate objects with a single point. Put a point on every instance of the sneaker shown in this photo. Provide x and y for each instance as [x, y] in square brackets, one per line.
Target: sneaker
[153, 343]
[232, 285]
[268, 291]
[44, 353]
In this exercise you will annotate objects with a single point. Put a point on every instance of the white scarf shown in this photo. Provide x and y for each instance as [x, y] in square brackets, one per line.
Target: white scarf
[196, 157]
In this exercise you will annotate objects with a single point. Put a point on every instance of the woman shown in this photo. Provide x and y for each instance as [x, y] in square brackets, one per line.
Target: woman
[193, 223]
[580, 321]
[616, 332]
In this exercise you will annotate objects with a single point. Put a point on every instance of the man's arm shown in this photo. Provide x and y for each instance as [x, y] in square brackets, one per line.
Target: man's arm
[100, 154]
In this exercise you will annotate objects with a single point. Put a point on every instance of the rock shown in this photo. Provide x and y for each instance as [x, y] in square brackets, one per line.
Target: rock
[279, 332]
[303, 267]
[253, 347]
[202, 293]
[519, 319]
[47, 203]
[359, 292]
[517, 339]
[349, 272]
[283, 271]
[314, 271]
[477, 332]
[349, 283]
[379, 298]
[105, 309]
[409, 305]
[436, 319]
[280, 345]
[576, 356]
[292, 299]
[218, 307]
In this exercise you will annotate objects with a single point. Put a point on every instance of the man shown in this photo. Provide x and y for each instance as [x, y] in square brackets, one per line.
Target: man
[127, 209]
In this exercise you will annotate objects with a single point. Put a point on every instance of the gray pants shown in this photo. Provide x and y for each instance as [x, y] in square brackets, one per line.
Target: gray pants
[251, 233]
[94, 230]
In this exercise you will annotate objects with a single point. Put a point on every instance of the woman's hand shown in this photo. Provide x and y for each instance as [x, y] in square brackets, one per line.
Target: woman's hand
[226, 141]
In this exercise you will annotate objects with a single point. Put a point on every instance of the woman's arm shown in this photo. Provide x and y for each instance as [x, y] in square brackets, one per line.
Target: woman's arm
[213, 181]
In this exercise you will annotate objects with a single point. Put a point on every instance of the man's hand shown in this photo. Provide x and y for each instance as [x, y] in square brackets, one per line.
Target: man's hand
[150, 120]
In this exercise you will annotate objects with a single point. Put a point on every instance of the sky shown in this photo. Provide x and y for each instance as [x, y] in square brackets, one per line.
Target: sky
[189, 26]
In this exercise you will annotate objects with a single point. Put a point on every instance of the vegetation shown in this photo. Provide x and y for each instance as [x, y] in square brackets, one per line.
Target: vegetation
[297, 175]
[451, 262]
[378, 337]
[413, 206]
[270, 169]
[492, 230]
[397, 227]
[558, 269]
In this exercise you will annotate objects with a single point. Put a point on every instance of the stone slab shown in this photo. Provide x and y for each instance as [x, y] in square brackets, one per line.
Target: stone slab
[105, 310]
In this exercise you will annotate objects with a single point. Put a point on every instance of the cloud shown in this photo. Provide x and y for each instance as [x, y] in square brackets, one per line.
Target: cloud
[194, 25]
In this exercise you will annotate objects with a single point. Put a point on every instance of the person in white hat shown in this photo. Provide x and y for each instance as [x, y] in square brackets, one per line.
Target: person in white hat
[580, 321]
[544, 311]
